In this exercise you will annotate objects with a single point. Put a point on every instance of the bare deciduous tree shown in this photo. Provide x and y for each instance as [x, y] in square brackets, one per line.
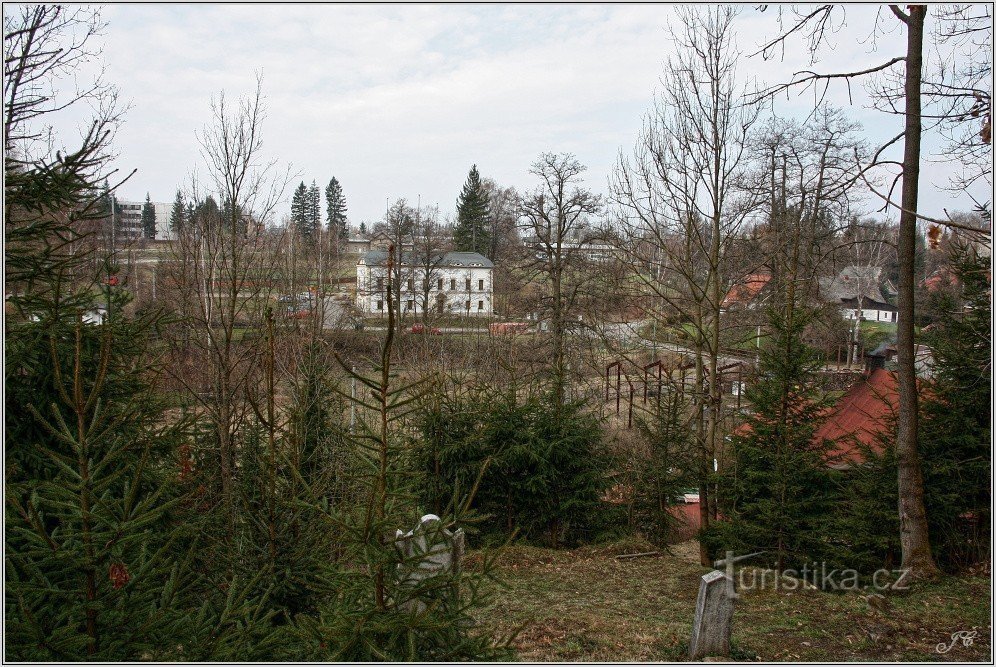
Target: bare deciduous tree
[914, 536]
[685, 199]
[225, 262]
[558, 214]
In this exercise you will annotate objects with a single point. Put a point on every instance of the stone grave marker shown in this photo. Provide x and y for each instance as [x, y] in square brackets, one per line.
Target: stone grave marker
[429, 550]
[713, 617]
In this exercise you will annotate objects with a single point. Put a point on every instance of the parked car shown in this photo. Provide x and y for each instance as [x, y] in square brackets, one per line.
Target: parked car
[421, 329]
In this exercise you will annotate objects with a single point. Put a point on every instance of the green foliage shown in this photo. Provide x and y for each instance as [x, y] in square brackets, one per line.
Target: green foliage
[664, 468]
[955, 432]
[471, 233]
[335, 210]
[300, 210]
[178, 214]
[88, 574]
[778, 491]
[543, 468]
[313, 209]
[149, 218]
[864, 526]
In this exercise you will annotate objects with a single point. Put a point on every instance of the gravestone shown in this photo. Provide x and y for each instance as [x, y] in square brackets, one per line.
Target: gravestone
[713, 617]
[429, 550]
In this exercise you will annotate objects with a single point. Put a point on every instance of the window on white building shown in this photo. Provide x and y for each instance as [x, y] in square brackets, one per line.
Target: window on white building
[380, 305]
[480, 285]
[452, 284]
[468, 284]
[480, 305]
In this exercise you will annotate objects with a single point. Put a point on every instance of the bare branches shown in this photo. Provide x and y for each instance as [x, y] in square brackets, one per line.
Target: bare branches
[818, 22]
[937, 221]
[807, 79]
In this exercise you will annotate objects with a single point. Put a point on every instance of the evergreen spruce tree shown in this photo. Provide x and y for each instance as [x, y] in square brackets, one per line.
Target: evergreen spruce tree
[149, 218]
[376, 613]
[956, 435]
[363, 229]
[89, 575]
[542, 467]
[665, 469]
[299, 210]
[777, 493]
[335, 210]
[178, 214]
[314, 210]
[471, 233]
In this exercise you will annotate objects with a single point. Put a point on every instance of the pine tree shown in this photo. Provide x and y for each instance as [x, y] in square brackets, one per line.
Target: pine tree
[299, 210]
[363, 229]
[178, 214]
[778, 490]
[542, 467]
[335, 207]
[149, 218]
[472, 233]
[88, 573]
[665, 468]
[314, 210]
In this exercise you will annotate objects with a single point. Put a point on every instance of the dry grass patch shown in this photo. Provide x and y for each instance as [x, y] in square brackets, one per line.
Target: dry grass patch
[585, 605]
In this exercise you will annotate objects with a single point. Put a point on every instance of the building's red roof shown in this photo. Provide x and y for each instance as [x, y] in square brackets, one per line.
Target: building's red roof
[860, 416]
[939, 279]
[746, 290]
[857, 419]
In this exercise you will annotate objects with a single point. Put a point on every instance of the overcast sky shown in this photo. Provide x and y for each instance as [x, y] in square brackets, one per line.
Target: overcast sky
[399, 101]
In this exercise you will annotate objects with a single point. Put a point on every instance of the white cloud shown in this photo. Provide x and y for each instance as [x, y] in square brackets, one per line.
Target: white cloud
[400, 100]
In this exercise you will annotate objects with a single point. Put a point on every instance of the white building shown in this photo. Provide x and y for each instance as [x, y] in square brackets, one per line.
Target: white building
[857, 290]
[457, 283]
[868, 310]
[129, 226]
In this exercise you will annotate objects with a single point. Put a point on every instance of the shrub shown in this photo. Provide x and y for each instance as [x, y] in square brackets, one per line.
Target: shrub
[544, 466]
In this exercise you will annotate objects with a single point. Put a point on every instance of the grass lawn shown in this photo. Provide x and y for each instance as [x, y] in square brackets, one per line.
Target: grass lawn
[873, 333]
[584, 605]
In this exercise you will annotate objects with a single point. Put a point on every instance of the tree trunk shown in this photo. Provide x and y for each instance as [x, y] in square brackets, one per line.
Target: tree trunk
[913, 534]
[559, 379]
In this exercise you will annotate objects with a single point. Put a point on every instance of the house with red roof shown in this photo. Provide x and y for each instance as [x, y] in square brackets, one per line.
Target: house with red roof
[859, 418]
[745, 292]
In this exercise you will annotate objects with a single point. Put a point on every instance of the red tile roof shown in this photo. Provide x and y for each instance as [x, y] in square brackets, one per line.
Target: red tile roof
[859, 416]
[744, 292]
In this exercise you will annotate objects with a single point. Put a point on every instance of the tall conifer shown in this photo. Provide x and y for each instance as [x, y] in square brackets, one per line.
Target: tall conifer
[149, 218]
[471, 233]
[335, 209]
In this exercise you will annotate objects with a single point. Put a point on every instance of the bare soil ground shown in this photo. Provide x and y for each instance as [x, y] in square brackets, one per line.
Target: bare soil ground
[585, 605]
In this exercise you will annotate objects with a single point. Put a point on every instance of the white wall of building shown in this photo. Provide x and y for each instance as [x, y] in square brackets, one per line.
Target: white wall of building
[870, 314]
[465, 290]
[131, 218]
